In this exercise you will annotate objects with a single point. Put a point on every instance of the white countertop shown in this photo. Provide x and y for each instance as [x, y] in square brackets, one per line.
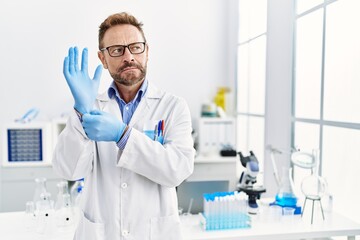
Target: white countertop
[267, 229]
[12, 227]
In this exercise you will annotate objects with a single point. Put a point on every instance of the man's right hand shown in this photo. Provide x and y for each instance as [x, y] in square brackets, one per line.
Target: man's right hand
[83, 89]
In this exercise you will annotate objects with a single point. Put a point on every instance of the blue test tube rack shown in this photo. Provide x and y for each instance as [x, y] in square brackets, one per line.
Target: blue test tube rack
[224, 210]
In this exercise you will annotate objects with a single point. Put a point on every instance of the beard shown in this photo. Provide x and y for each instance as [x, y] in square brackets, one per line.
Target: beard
[130, 78]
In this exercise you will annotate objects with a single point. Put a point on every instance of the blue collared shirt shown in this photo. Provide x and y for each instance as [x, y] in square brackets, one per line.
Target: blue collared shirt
[127, 109]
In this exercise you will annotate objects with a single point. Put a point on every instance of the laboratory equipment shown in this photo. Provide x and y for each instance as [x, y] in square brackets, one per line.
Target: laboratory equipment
[44, 205]
[27, 144]
[29, 217]
[285, 196]
[62, 190]
[45, 214]
[288, 215]
[65, 214]
[274, 213]
[40, 189]
[248, 180]
[28, 116]
[224, 210]
[327, 199]
[314, 186]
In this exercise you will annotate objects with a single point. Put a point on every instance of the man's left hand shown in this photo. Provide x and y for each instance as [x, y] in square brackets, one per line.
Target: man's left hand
[102, 126]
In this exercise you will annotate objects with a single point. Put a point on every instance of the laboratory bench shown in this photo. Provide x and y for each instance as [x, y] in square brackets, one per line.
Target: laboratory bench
[297, 228]
[12, 228]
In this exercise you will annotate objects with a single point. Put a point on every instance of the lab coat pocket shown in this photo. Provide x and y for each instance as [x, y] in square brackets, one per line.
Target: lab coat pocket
[89, 230]
[154, 129]
[166, 228]
[149, 128]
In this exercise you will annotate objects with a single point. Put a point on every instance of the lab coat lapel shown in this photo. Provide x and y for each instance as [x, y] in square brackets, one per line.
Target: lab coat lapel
[145, 104]
[109, 105]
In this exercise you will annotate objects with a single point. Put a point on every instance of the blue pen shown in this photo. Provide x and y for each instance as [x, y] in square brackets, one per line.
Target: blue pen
[159, 128]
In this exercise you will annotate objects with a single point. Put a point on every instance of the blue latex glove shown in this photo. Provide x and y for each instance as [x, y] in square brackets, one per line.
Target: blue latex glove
[102, 126]
[83, 89]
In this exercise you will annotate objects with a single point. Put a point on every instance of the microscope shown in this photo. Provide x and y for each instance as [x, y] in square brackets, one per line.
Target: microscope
[248, 179]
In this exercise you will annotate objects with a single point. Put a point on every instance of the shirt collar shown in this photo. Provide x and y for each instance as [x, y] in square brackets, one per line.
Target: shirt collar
[112, 91]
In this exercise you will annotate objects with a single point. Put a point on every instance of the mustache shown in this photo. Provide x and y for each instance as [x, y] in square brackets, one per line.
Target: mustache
[129, 64]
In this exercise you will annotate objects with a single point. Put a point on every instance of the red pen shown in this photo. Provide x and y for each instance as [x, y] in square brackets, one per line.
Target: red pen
[162, 126]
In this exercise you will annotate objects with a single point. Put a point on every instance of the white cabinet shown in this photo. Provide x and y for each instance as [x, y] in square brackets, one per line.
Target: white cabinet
[216, 134]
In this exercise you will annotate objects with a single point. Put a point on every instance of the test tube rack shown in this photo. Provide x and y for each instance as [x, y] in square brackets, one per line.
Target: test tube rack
[224, 210]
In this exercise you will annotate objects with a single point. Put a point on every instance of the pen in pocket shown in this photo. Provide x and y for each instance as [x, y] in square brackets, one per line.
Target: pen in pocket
[156, 132]
[162, 127]
[159, 128]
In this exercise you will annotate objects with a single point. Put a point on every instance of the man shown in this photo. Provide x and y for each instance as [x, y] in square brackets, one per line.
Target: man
[132, 144]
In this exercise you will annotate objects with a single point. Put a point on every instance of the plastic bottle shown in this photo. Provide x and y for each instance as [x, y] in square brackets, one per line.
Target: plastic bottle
[220, 97]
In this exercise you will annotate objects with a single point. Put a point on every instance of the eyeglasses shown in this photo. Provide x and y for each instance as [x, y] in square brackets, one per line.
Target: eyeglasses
[119, 50]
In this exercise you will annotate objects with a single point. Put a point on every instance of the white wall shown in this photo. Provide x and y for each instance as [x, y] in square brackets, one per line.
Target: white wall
[187, 55]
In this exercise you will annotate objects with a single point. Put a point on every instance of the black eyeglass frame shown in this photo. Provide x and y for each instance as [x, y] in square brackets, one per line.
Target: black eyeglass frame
[125, 46]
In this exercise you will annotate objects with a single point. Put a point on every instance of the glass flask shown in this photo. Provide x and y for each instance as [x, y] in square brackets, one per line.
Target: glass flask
[313, 187]
[39, 189]
[29, 217]
[65, 215]
[45, 215]
[285, 196]
[62, 190]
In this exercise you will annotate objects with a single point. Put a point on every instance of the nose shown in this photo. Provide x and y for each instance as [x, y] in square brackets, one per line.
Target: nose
[128, 56]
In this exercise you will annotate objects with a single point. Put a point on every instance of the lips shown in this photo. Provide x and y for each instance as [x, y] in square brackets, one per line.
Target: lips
[128, 69]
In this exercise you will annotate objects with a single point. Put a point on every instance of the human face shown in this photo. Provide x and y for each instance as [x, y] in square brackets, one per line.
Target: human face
[128, 69]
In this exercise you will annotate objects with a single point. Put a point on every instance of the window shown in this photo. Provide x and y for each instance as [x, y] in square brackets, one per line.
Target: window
[316, 43]
[326, 108]
[251, 68]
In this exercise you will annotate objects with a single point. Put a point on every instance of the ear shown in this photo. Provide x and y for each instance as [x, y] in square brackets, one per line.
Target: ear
[102, 59]
[147, 52]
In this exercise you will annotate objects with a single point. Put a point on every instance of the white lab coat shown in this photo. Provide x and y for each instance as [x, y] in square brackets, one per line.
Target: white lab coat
[130, 194]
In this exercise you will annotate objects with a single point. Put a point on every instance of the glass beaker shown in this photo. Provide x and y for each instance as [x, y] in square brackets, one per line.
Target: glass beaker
[39, 189]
